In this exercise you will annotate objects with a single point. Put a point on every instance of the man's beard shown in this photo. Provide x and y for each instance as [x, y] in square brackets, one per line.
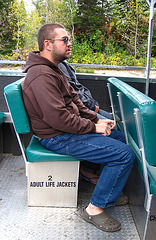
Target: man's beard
[60, 58]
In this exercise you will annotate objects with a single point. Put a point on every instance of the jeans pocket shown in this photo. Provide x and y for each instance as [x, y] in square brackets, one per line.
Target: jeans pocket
[57, 144]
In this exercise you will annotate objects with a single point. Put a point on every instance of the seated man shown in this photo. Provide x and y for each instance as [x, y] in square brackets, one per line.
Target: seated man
[64, 125]
[83, 92]
[88, 171]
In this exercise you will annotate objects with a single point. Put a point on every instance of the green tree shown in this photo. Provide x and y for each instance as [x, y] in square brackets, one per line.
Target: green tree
[70, 13]
[90, 16]
[131, 22]
[61, 11]
[40, 6]
[8, 25]
[18, 10]
[32, 26]
[92, 23]
[25, 30]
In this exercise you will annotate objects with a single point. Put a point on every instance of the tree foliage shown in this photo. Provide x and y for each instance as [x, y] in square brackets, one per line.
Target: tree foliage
[57, 11]
[132, 25]
[19, 11]
[89, 15]
[99, 28]
[8, 25]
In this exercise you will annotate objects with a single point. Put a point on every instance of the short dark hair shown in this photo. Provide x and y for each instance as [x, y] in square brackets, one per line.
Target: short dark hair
[47, 32]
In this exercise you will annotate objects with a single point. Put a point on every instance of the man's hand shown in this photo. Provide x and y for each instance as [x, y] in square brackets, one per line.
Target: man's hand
[97, 109]
[104, 126]
[108, 121]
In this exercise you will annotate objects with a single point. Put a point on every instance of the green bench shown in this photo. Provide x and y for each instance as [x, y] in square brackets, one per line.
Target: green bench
[135, 115]
[52, 178]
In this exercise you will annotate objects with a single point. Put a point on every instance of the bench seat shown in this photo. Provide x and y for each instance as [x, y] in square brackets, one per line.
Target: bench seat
[35, 152]
[131, 99]
[135, 114]
[46, 169]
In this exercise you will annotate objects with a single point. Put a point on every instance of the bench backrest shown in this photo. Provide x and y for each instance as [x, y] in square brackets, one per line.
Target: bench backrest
[34, 152]
[133, 99]
[13, 95]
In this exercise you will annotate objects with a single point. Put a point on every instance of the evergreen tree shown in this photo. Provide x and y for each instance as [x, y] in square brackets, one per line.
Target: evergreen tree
[90, 16]
[92, 23]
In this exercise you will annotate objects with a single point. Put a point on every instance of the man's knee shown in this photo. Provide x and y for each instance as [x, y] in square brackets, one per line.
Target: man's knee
[131, 154]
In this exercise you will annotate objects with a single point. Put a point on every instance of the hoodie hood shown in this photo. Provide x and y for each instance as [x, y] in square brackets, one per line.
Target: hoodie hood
[35, 59]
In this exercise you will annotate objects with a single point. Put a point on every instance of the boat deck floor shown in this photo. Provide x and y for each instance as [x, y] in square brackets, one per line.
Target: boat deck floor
[20, 222]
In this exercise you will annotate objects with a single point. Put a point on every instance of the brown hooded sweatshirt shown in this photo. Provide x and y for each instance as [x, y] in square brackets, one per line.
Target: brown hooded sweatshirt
[52, 104]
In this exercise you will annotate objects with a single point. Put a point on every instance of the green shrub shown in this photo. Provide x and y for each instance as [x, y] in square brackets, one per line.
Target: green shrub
[91, 51]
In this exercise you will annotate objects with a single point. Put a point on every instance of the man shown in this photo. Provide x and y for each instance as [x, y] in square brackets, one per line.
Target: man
[88, 171]
[64, 125]
[83, 92]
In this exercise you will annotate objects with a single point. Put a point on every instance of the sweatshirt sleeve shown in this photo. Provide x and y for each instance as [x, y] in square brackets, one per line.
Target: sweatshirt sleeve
[82, 91]
[84, 111]
[53, 107]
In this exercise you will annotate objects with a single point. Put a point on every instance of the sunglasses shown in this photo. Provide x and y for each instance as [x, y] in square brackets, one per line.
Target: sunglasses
[65, 39]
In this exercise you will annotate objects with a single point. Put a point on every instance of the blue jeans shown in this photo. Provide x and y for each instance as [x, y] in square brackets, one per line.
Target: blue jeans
[111, 151]
[103, 114]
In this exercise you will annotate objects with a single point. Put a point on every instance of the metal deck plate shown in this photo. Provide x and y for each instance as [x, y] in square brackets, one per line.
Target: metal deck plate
[20, 222]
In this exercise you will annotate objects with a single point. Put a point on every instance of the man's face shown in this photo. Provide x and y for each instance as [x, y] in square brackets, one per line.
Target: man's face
[61, 50]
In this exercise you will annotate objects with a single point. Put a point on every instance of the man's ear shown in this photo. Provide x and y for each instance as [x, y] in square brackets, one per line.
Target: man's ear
[47, 45]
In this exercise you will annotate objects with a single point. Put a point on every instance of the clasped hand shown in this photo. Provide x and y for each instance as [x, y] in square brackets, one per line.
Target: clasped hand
[104, 126]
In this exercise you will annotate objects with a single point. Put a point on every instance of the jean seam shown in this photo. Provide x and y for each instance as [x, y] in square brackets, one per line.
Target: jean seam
[98, 147]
